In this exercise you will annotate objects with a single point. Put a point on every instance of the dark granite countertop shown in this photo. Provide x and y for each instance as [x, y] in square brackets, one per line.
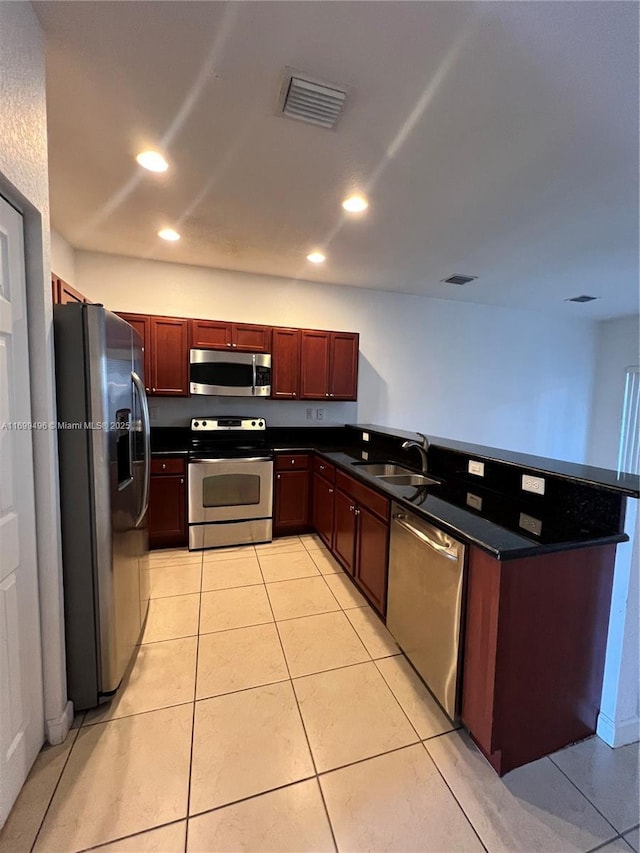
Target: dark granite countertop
[498, 541]
[623, 482]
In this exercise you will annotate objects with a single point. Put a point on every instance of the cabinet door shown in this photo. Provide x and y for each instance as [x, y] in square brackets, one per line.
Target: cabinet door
[251, 338]
[344, 366]
[169, 357]
[67, 294]
[167, 516]
[314, 368]
[323, 501]
[285, 367]
[372, 558]
[291, 503]
[55, 289]
[142, 324]
[344, 538]
[210, 334]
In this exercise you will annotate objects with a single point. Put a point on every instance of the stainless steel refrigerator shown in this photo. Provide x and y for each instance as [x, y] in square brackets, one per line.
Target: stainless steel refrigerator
[104, 454]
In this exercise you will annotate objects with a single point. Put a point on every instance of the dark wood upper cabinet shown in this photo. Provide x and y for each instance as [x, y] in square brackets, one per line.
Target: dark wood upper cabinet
[343, 382]
[142, 325]
[329, 365]
[63, 293]
[314, 367]
[169, 356]
[214, 334]
[285, 365]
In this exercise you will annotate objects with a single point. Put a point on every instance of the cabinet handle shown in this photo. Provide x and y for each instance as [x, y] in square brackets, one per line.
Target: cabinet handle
[235, 345]
[352, 508]
[326, 395]
[293, 461]
[321, 467]
[164, 465]
[356, 512]
[181, 481]
[278, 477]
[331, 395]
[229, 344]
[330, 491]
[154, 390]
[294, 394]
[147, 390]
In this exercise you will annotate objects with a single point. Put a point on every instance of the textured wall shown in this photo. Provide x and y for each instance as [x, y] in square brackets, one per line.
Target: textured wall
[485, 374]
[24, 181]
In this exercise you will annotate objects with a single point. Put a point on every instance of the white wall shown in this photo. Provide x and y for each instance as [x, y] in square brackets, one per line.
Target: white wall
[24, 181]
[486, 374]
[619, 721]
[63, 258]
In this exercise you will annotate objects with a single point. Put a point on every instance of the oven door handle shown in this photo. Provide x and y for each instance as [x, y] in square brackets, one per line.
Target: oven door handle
[240, 459]
[255, 375]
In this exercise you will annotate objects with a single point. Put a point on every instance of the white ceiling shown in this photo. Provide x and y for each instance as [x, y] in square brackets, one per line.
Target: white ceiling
[493, 139]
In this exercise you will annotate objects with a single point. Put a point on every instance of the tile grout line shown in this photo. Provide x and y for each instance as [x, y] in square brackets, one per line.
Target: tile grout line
[193, 715]
[450, 789]
[126, 837]
[582, 793]
[55, 788]
[304, 728]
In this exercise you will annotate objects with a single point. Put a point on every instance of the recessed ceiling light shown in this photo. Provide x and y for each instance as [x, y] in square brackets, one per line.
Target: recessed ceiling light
[355, 204]
[316, 257]
[169, 234]
[153, 161]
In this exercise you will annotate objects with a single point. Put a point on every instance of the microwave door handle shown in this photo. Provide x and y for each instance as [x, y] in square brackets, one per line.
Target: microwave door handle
[255, 375]
[146, 428]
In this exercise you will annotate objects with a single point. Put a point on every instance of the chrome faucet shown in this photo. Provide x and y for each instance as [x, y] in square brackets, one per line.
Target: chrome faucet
[422, 447]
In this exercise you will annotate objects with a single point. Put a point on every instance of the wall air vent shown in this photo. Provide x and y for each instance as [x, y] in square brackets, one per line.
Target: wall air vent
[459, 279]
[582, 298]
[312, 101]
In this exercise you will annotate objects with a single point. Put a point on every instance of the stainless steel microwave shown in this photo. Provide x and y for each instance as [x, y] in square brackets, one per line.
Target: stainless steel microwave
[229, 374]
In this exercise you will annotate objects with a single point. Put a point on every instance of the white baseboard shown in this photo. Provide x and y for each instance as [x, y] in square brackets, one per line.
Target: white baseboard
[618, 733]
[58, 728]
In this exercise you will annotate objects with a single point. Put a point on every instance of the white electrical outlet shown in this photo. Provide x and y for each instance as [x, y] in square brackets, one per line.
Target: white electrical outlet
[309, 414]
[320, 414]
[474, 501]
[365, 436]
[476, 468]
[365, 455]
[153, 413]
[533, 525]
[535, 485]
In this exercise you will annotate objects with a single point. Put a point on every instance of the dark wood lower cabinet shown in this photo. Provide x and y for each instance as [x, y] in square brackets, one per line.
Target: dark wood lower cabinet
[168, 503]
[323, 509]
[344, 534]
[372, 561]
[291, 502]
[536, 634]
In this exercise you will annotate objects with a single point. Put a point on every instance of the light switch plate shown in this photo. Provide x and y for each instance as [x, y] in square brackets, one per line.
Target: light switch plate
[476, 468]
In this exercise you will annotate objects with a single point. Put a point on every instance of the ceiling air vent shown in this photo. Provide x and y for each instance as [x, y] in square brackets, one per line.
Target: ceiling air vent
[582, 298]
[312, 101]
[459, 279]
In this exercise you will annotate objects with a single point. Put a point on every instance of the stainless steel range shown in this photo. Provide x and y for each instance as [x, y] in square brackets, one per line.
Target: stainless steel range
[230, 483]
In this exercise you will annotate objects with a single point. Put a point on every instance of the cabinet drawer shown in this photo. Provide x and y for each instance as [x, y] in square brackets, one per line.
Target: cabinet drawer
[325, 469]
[363, 495]
[168, 465]
[291, 461]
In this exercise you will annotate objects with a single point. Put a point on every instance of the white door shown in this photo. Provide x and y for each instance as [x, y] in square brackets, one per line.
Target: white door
[21, 705]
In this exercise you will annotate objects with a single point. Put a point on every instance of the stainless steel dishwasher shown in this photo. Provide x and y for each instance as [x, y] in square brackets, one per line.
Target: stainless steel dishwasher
[424, 606]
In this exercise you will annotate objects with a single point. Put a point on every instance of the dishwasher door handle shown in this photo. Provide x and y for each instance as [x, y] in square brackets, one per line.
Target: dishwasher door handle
[401, 519]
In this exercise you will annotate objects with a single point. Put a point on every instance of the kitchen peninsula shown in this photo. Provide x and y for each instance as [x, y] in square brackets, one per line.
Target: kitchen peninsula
[539, 565]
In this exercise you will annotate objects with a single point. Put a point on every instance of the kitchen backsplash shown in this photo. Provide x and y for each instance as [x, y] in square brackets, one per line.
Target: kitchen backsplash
[178, 411]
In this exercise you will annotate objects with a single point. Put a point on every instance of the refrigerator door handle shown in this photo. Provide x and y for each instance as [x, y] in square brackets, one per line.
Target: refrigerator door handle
[146, 428]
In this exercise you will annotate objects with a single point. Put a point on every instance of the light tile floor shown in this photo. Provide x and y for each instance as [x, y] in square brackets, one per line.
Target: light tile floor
[268, 709]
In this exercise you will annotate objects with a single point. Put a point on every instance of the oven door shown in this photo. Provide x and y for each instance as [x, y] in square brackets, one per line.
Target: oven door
[230, 489]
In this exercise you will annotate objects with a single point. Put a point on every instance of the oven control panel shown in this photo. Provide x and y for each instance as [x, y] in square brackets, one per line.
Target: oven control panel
[227, 424]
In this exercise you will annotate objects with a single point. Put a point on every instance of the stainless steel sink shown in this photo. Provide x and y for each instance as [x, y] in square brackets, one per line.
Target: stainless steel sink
[407, 480]
[383, 469]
